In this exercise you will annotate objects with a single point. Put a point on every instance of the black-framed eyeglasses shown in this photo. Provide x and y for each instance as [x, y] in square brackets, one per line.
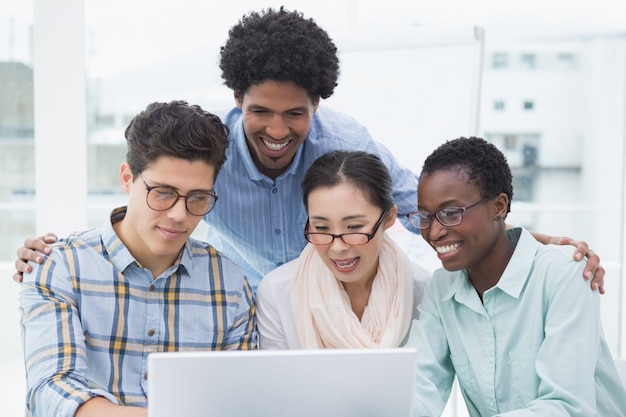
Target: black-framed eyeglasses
[161, 198]
[449, 216]
[352, 239]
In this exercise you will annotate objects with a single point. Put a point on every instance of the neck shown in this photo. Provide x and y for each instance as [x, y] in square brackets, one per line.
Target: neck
[268, 172]
[144, 256]
[487, 273]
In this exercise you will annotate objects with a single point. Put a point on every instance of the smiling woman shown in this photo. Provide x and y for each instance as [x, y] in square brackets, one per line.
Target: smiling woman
[503, 304]
[352, 286]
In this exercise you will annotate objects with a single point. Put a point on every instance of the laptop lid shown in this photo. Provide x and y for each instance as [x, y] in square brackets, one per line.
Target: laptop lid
[282, 383]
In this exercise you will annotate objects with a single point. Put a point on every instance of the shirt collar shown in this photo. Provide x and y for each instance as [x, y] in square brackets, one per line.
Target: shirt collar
[518, 269]
[513, 278]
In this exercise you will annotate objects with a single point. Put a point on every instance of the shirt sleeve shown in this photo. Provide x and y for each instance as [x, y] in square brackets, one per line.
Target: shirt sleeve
[271, 331]
[435, 373]
[242, 335]
[53, 341]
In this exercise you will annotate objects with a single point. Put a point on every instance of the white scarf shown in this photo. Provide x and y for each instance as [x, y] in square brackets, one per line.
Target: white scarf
[321, 307]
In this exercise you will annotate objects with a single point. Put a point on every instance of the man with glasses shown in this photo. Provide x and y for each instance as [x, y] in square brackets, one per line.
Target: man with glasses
[106, 298]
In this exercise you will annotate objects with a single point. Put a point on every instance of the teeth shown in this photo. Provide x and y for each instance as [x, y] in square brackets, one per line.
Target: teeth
[276, 146]
[346, 264]
[448, 248]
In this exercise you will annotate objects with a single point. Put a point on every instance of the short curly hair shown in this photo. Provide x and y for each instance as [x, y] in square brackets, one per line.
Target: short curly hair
[482, 162]
[283, 46]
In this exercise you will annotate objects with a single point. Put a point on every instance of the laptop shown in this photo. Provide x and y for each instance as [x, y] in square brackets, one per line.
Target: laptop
[282, 383]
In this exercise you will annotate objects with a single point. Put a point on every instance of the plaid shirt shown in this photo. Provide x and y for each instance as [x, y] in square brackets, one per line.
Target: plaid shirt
[91, 315]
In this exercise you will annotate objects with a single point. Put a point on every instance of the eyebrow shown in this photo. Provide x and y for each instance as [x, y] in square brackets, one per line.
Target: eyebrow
[445, 204]
[260, 107]
[352, 217]
[197, 190]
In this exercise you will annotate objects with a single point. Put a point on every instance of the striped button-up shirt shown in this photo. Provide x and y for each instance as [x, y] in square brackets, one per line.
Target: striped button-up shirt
[91, 315]
[258, 222]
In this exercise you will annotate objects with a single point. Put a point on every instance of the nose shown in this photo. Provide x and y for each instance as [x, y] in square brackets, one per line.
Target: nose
[277, 128]
[178, 211]
[338, 244]
[436, 230]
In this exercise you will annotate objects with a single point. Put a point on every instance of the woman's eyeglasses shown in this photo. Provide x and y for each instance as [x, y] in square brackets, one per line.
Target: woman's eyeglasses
[352, 239]
[450, 216]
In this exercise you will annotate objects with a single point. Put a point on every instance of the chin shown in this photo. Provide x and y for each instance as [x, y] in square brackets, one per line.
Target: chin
[451, 266]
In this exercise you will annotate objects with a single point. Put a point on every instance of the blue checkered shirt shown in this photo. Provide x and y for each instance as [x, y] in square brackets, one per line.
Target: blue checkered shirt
[91, 315]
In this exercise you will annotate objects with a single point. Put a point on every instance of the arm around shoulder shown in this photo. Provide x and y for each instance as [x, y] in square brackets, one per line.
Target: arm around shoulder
[31, 251]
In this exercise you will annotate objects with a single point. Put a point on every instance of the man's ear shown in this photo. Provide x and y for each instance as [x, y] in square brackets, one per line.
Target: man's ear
[126, 177]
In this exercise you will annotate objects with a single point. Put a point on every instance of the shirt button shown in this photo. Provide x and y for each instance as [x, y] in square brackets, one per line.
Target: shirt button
[276, 231]
[145, 375]
[152, 287]
[151, 332]
[274, 190]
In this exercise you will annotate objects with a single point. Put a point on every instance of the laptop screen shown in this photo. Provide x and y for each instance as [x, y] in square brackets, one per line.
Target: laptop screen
[282, 383]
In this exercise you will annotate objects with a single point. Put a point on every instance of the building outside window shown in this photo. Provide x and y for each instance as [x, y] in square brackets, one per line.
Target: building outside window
[528, 61]
[566, 60]
[500, 60]
[499, 105]
[17, 164]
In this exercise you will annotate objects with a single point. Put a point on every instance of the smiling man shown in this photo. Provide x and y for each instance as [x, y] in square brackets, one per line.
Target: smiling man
[280, 65]
[105, 298]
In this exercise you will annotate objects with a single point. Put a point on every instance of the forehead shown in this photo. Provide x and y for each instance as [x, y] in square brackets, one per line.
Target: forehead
[273, 94]
[181, 173]
[444, 186]
[342, 197]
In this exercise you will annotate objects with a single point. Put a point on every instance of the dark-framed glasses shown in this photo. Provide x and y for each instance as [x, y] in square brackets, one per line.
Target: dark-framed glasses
[161, 198]
[449, 216]
[352, 239]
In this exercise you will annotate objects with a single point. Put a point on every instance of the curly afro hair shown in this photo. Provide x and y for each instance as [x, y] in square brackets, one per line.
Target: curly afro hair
[280, 45]
[483, 163]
